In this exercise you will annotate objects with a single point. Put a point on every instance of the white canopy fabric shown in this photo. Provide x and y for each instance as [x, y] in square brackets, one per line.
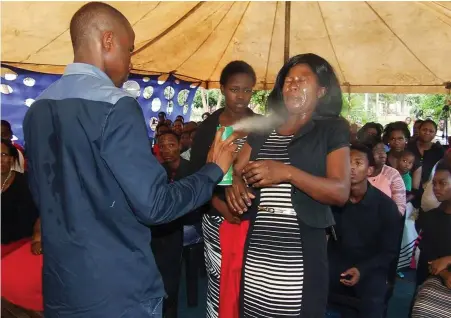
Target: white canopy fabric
[386, 47]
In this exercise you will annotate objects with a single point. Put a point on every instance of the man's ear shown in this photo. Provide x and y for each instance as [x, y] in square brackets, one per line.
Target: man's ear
[222, 89]
[107, 40]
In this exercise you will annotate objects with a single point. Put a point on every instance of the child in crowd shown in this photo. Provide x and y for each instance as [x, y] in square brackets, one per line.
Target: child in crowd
[405, 165]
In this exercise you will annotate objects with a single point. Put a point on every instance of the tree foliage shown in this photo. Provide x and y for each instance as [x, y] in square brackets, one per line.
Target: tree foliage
[427, 106]
[354, 109]
[258, 99]
[422, 105]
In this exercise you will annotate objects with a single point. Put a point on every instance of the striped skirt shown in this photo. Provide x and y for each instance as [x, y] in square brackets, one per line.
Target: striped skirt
[274, 267]
[433, 300]
[210, 228]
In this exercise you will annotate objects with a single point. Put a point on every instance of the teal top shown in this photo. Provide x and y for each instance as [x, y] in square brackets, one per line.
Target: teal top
[407, 181]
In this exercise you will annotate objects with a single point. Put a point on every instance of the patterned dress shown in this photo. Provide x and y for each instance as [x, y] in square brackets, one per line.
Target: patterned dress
[274, 266]
[212, 251]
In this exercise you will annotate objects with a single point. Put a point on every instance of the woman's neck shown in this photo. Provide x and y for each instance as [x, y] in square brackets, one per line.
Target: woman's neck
[5, 176]
[424, 145]
[293, 124]
[446, 207]
[377, 171]
[395, 154]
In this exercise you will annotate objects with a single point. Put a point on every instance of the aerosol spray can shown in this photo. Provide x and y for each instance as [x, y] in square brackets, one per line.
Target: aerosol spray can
[227, 179]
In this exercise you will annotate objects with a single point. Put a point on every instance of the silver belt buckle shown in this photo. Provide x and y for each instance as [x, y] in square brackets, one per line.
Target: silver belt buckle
[283, 211]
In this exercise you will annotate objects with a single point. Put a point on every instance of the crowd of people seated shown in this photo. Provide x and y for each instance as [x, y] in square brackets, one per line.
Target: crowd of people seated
[271, 258]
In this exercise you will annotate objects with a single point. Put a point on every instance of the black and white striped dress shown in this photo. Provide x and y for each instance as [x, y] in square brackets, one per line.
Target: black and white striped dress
[433, 300]
[212, 251]
[274, 266]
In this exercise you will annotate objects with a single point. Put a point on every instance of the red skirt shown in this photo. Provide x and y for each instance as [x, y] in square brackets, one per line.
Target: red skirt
[11, 247]
[232, 239]
[22, 278]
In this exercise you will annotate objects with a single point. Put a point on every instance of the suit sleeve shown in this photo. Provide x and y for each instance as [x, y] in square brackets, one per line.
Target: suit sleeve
[125, 149]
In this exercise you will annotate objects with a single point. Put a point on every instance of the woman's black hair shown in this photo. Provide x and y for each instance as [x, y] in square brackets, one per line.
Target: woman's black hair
[237, 67]
[329, 105]
[429, 121]
[372, 141]
[377, 126]
[418, 121]
[13, 152]
[396, 126]
[358, 146]
[406, 153]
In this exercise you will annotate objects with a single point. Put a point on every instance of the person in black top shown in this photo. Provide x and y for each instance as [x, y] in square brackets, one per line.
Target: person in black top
[19, 212]
[369, 131]
[425, 150]
[237, 81]
[167, 239]
[436, 225]
[396, 136]
[161, 117]
[367, 240]
[297, 169]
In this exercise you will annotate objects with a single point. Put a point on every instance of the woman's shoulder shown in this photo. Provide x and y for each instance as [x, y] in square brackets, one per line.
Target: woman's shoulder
[21, 178]
[333, 123]
[210, 122]
[390, 171]
[335, 130]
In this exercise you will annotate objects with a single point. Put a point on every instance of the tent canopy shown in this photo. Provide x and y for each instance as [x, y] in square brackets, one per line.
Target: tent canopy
[393, 47]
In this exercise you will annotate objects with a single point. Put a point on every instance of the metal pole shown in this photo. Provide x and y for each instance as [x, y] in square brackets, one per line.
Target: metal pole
[286, 52]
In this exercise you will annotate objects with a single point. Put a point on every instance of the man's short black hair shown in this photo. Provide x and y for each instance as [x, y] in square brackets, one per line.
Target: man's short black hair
[170, 132]
[91, 17]
[357, 146]
[6, 124]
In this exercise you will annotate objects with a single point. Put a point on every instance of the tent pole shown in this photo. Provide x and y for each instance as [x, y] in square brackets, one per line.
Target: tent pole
[286, 52]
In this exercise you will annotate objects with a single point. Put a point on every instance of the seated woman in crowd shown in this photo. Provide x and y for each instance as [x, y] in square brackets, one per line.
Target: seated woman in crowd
[237, 81]
[297, 169]
[425, 150]
[433, 299]
[433, 272]
[436, 223]
[7, 133]
[385, 178]
[396, 135]
[21, 261]
[19, 213]
[369, 131]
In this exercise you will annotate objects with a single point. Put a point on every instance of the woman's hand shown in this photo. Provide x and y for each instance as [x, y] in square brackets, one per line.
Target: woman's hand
[446, 277]
[36, 247]
[265, 173]
[238, 196]
[439, 265]
[226, 213]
